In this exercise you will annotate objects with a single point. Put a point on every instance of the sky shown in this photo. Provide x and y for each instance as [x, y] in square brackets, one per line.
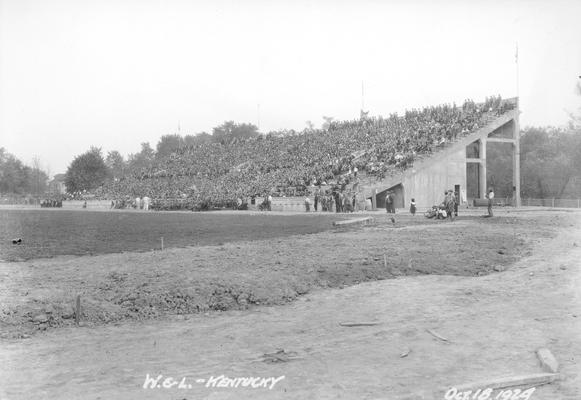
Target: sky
[116, 73]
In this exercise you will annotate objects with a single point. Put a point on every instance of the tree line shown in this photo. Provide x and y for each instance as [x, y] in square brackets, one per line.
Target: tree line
[16, 178]
[550, 164]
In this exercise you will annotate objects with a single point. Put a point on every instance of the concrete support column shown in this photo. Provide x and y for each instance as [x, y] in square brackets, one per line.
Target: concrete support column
[483, 188]
[516, 162]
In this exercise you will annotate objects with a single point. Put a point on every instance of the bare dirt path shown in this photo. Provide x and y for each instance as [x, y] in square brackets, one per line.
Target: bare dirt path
[493, 324]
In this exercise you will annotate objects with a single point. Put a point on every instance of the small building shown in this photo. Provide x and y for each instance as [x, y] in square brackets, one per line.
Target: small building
[57, 185]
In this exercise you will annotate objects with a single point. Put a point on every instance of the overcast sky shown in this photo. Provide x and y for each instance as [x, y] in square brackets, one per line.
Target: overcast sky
[114, 73]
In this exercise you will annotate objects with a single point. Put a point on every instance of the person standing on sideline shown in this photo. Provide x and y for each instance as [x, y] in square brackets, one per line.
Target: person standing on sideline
[307, 204]
[450, 204]
[413, 207]
[490, 197]
[388, 202]
[317, 196]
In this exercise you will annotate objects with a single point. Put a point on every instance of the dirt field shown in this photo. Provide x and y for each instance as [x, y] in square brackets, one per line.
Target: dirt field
[157, 313]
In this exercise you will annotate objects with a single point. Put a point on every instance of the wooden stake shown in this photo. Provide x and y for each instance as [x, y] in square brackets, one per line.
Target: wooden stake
[436, 335]
[78, 310]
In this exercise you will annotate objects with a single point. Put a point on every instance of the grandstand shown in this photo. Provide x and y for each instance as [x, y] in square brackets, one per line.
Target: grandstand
[418, 154]
[460, 165]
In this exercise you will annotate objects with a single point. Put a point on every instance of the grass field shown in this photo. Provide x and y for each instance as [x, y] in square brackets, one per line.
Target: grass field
[48, 233]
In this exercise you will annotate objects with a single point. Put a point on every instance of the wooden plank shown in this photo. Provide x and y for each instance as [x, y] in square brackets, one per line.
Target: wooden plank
[436, 335]
[359, 323]
[548, 361]
[353, 221]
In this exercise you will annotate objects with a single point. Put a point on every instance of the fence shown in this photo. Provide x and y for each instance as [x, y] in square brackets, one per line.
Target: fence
[558, 203]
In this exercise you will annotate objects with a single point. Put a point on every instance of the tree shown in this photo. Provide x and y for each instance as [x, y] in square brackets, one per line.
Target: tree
[328, 122]
[200, 138]
[14, 176]
[550, 161]
[18, 178]
[500, 169]
[168, 144]
[87, 171]
[38, 179]
[575, 119]
[229, 131]
[116, 164]
[142, 160]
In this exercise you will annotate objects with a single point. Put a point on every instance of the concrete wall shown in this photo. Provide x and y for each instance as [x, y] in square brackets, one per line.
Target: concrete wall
[427, 186]
[91, 204]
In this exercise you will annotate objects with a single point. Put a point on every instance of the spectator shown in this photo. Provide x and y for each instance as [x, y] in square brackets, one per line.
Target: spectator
[490, 197]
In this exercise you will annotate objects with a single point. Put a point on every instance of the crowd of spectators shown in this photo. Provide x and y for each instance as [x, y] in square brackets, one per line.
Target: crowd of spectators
[211, 175]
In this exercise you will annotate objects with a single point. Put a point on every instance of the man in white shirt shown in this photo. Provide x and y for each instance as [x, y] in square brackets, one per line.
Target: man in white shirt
[490, 197]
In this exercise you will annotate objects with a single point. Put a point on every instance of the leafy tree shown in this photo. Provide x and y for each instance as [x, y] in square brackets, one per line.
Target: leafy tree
[575, 119]
[328, 122]
[87, 171]
[116, 164]
[200, 138]
[18, 178]
[142, 160]
[550, 161]
[168, 144]
[38, 179]
[230, 131]
[14, 176]
[500, 169]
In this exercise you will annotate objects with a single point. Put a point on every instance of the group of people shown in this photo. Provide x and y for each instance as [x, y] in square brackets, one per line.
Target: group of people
[448, 208]
[51, 203]
[137, 203]
[333, 199]
[281, 163]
